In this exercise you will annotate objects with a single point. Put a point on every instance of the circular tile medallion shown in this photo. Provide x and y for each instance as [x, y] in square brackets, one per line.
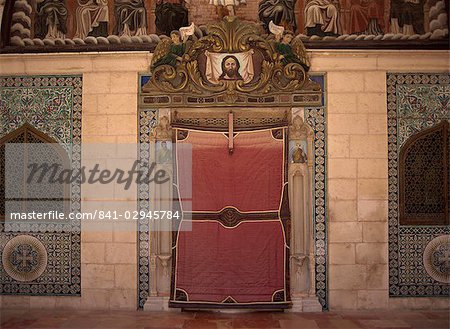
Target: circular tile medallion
[24, 258]
[436, 258]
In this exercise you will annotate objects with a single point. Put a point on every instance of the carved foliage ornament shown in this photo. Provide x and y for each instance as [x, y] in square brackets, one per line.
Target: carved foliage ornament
[233, 59]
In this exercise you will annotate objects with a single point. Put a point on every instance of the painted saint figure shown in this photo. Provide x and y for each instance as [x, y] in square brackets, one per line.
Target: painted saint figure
[407, 16]
[164, 153]
[280, 12]
[230, 68]
[131, 17]
[92, 18]
[170, 15]
[171, 51]
[321, 18]
[299, 156]
[366, 17]
[51, 19]
[228, 4]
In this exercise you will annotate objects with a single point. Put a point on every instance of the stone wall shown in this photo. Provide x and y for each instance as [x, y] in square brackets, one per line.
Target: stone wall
[357, 176]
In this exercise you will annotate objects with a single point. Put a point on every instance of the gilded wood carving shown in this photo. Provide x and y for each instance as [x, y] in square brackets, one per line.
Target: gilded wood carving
[231, 64]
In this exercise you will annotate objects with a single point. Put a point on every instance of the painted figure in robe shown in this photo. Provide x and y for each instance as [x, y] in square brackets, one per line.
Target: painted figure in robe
[92, 17]
[131, 17]
[51, 19]
[280, 12]
[321, 17]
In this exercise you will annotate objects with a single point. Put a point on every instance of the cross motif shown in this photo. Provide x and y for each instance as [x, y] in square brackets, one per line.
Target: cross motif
[445, 259]
[24, 257]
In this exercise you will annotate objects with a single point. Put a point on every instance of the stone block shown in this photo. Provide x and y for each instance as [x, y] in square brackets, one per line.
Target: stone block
[94, 125]
[342, 189]
[347, 277]
[378, 276]
[125, 276]
[57, 64]
[95, 299]
[345, 81]
[343, 210]
[96, 83]
[15, 302]
[96, 276]
[341, 103]
[90, 104]
[375, 81]
[342, 253]
[121, 253]
[372, 210]
[10, 64]
[42, 302]
[123, 299]
[68, 302]
[345, 232]
[335, 62]
[377, 124]
[372, 168]
[122, 125]
[93, 253]
[137, 62]
[375, 232]
[338, 146]
[88, 235]
[371, 253]
[348, 124]
[372, 299]
[118, 104]
[372, 103]
[372, 189]
[124, 83]
[368, 146]
[342, 168]
[343, 300]
[414, 62]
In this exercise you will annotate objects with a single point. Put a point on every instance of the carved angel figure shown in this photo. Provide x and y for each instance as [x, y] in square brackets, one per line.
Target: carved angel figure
[290, 49]
[170, 51]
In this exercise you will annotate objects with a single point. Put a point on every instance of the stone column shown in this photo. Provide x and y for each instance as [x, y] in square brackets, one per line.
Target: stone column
[160, 230]
[302, 236]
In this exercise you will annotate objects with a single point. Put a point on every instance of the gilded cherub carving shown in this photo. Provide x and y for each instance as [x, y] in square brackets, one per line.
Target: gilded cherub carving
[171, 51]
[290, 49]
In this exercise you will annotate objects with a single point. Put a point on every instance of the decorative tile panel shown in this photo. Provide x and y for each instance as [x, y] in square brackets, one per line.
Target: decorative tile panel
[415, 101]
[51, 104]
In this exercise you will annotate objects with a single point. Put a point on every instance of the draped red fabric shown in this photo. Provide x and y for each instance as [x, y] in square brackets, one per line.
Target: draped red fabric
[245, 263]
[251, 179]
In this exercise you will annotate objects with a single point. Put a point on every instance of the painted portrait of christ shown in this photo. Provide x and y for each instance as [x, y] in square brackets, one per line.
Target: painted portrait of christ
[230, 68]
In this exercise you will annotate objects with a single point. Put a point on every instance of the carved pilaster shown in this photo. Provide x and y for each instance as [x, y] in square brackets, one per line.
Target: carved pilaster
[302, 235]
[161, 200]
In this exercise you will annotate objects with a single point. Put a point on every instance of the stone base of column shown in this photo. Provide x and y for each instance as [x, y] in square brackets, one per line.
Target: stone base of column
[305, 304]
[159, 304]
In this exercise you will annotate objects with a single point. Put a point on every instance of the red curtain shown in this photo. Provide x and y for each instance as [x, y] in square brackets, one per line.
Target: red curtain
[245, 263]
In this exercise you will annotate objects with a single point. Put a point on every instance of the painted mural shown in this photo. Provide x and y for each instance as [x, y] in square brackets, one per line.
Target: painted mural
[343, 23]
